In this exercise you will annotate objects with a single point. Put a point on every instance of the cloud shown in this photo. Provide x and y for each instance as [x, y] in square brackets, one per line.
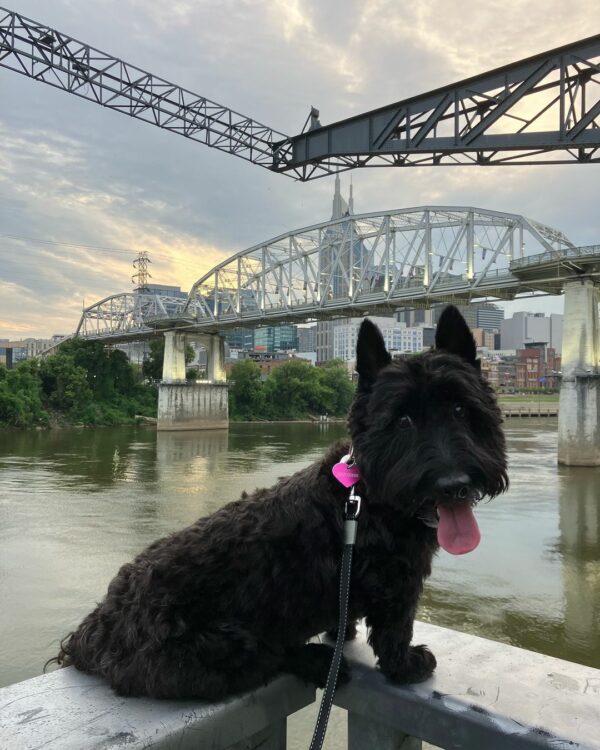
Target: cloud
[73, 172]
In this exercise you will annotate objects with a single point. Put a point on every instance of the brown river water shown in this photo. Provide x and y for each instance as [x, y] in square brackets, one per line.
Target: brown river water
[76, 504]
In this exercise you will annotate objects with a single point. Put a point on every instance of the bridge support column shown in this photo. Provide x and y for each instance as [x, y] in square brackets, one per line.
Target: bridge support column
[184, 405]
[174, 358]
[579, 407]
[215, 353]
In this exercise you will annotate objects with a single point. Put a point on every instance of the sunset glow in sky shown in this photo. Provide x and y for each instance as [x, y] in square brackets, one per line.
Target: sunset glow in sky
[74, 173]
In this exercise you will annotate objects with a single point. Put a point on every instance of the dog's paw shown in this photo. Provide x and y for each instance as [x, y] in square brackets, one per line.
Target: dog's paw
[416, 667]
[312, 662]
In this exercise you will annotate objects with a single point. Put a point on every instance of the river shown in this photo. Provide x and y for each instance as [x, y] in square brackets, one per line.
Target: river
[76, 504]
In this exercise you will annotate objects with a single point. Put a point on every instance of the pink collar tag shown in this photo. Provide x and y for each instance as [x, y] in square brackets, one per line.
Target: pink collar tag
[345, 472]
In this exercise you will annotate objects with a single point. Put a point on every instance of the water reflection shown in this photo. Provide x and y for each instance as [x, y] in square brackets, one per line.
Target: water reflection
[579, 549]
[185, 446]
[76, 504]
[89, 460]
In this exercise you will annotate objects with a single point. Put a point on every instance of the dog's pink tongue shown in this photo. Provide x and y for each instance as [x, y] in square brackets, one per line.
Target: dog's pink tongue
[458, 532]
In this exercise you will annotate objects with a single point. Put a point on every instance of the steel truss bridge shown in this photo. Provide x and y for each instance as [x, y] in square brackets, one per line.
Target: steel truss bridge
[541, 110]
[367, 263]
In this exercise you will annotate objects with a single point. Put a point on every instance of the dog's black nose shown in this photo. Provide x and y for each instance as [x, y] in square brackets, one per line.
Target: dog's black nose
[455, 485]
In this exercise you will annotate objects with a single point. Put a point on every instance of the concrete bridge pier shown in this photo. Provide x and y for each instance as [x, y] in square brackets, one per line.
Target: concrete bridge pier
[579, 408]
[192, 406]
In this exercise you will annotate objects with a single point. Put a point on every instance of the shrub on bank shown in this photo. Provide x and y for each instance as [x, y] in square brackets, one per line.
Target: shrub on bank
[82, 383]
[293, 390]
[21, 403]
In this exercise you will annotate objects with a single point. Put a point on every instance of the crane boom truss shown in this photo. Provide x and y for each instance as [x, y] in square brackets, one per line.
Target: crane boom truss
[45, 54]
[542, 110]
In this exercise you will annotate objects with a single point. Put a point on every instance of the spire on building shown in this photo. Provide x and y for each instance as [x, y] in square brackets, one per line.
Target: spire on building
[340, 208]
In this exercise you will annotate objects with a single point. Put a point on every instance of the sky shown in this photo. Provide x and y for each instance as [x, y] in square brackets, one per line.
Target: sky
[73, 174]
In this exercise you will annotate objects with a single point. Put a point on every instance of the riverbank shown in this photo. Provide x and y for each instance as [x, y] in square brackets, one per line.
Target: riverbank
[54, 423]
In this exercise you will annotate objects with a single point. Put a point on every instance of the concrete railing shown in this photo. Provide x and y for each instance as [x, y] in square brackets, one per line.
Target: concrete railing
[484, 696]
[68, 710]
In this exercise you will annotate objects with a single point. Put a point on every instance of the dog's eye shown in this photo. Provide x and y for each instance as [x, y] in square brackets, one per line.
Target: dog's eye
[405, 422]
[459, 411]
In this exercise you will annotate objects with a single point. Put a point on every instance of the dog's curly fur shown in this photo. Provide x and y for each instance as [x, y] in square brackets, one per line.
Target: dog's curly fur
[223, 605]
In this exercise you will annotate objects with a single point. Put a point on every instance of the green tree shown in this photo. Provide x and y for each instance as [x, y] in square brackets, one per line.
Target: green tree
[20, 396]
[122, 373]
[293, 391]
[246, 391]
[95, 360]
[83, 382]
[337, 390]
[64, 383]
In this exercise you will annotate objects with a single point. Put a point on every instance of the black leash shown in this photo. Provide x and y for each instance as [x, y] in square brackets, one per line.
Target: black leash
[351, 512]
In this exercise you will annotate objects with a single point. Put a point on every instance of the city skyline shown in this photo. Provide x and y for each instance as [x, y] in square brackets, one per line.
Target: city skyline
[71, 172]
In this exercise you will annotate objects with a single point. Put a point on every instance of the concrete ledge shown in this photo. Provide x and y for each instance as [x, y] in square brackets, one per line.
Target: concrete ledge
[68, 710]
[483, 696]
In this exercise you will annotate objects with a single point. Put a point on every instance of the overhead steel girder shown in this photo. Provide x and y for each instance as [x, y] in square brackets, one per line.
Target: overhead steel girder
[542, 110]
[45, 54]
[370, 262]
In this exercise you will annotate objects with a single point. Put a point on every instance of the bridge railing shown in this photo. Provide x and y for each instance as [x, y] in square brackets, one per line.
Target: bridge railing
[484, 696]
[557, 255]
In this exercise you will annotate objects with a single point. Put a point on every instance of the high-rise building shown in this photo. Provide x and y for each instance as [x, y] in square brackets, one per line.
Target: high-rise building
[276, 338]
[532, 328]
[398, 337]
[307, 339]
[489, 316]
[416, 316]
[431, 316]
[324, 338]
[240, 338]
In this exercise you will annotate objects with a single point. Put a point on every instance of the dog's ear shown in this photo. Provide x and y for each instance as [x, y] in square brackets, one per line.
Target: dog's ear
[371, 354]
[453, 335]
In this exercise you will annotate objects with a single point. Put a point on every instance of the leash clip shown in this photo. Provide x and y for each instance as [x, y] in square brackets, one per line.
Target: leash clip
[352, 506]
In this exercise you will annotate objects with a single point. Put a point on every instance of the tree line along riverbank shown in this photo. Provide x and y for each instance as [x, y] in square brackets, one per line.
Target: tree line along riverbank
[86, 384]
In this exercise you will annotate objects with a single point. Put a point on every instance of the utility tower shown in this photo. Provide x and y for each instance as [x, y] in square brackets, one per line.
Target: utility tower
[141, 275]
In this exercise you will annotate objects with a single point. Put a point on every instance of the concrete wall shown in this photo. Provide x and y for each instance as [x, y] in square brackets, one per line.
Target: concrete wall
[193, 406]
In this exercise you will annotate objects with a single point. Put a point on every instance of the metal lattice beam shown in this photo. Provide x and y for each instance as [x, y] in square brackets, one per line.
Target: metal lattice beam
[45, 54]
[371, 262]
[542, 110]
[126, 316]
[367, 263]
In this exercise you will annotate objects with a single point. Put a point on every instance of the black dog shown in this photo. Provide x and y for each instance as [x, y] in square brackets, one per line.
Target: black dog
[223, 605]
